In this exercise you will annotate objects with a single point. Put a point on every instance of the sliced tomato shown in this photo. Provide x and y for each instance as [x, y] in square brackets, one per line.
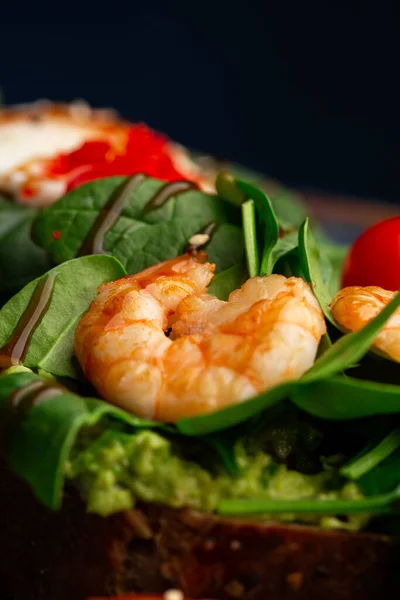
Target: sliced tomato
[374, 258]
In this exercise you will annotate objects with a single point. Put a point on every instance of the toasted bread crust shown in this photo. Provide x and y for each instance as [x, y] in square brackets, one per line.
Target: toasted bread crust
[70, 555]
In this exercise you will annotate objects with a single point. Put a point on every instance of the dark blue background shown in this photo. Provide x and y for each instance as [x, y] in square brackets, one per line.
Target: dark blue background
[311, 98]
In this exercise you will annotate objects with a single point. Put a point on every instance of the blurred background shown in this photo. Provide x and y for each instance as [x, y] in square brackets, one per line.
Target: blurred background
[309, 98]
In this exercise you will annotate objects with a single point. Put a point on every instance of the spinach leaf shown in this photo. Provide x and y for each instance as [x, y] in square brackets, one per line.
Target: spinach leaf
[225, 448]
[289, 209]
[288, 206]
[226, 247]
[310, 257]
[350, 348]
[241, 172]
[335, 398]
[289, 265]
[365, 463]
[227, 188]
[291, 215]
[324, 344]
[380, 504]
[140, 239]
[383, 478]
[10, 381]
[75, 286]
[250, 238]
[43, 438]
[235, 414]
[20, 259]
[345, 398]
[284, 246]
[267, 217]
[226, 281]
[332, 259]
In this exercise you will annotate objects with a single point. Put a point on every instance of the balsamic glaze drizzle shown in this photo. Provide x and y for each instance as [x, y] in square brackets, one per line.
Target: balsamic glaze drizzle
[33, 394]
[108, 215]
[26, 397]
[166, 192]
[14, 351]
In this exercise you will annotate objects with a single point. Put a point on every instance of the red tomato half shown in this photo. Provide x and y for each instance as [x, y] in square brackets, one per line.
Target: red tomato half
[374, 258]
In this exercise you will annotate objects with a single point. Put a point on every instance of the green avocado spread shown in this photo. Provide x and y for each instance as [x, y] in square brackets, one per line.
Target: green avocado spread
[117, 469]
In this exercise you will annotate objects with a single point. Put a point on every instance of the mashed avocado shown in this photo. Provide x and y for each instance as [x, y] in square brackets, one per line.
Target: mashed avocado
[116, 470]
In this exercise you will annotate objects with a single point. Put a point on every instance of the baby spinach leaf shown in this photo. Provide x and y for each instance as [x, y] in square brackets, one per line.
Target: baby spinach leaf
[226, 186]
[332, 259]
[365, 463]
[20, 259]
[310, 257]
[226, 247]
[226, 281]
[225, 448]
[235, 414]
[284, 246]
[349, 349]
[75, 286]
[289, 265]
[238, 191]
[345, 398]
[289, 209]
[250, 238]
[10, 381]
[268, 218]
[140, 238]
[335, 398]
[324, 344]
[42, 440]
[383, 478]
[380, 504]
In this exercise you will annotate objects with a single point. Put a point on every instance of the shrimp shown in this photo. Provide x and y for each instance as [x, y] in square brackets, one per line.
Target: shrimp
[215, 353]
[353, 307]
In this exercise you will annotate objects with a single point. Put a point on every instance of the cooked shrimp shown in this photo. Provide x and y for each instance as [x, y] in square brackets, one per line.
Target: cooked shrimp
[353, 307]
[218, 353]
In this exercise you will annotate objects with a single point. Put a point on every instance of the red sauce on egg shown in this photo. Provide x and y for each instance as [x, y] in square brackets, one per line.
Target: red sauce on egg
[144, 151]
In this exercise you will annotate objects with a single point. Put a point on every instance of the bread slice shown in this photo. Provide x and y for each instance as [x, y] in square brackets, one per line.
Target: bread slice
[70, 555]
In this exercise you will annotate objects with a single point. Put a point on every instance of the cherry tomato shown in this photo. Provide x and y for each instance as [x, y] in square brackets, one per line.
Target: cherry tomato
[374, 258]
